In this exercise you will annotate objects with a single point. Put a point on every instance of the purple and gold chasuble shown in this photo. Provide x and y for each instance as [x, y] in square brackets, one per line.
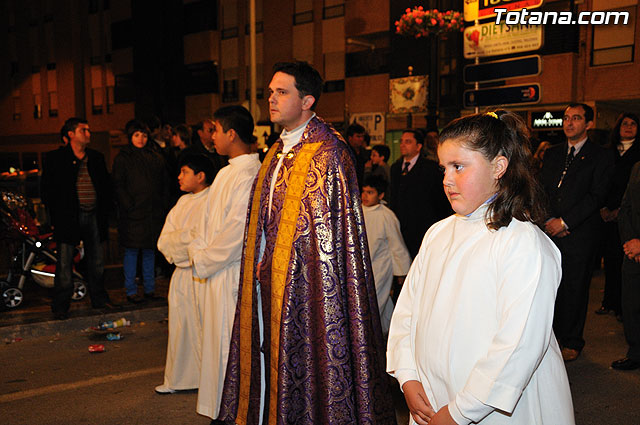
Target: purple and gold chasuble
[323, 348]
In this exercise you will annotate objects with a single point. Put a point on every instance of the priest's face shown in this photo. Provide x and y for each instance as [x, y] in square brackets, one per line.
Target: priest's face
[470, 179]
[287, 106]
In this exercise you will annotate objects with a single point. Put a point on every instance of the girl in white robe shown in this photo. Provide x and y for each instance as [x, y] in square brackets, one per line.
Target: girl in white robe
[182, 369]
[216, 252]
[471, 337]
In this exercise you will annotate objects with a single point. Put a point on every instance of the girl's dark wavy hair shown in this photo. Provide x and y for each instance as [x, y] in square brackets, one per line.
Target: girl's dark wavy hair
[614, 137]
[503, 133]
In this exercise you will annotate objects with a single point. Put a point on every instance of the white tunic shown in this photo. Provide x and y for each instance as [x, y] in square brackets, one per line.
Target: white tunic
[182, 369]
[473, 324]
[389, 255]
[215, 256]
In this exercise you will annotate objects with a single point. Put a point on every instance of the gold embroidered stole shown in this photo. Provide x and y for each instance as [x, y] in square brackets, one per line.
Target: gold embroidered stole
[247, 293]
[279, 270]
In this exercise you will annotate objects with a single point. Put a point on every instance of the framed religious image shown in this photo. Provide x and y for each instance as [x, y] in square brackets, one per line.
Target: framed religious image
[408, 94]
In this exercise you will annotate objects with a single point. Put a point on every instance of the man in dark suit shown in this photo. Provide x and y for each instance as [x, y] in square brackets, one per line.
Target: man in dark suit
[575, 176]
[76, 190]
[629, 223]
[417, 195]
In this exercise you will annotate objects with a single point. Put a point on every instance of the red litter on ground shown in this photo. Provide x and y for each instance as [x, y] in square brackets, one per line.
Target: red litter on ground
[96, 348]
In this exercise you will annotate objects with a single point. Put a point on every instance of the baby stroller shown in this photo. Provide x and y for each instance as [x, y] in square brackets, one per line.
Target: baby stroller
[34, 253]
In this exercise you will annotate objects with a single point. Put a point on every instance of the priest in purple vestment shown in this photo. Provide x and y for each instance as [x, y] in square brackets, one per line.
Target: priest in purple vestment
[307, 344]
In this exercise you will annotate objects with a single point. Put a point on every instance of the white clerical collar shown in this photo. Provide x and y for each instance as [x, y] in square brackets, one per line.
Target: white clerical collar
[242, 158]
[578, 145]
[292, 138]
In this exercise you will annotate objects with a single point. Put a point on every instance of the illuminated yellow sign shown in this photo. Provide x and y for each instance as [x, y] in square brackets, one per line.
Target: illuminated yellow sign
[481, 9]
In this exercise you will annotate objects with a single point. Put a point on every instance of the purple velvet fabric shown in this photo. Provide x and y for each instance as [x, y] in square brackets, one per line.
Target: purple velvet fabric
[332, 356]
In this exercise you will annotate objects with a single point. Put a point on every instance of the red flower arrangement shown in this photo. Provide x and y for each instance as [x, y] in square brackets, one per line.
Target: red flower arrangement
[422, 23]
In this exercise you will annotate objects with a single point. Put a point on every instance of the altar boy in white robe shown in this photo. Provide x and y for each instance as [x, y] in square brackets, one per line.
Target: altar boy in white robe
[215, 254]
[389, 254]
[471, 337]
[182, 369]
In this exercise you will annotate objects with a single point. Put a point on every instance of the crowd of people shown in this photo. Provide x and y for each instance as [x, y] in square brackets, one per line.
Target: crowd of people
[303, 282]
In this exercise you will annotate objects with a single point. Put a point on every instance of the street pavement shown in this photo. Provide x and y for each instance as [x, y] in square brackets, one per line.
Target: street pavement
[48, 376]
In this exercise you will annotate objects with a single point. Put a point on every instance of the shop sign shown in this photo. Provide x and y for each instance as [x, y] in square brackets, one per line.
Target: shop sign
[546, 120]
[481, 9]
[492, 40]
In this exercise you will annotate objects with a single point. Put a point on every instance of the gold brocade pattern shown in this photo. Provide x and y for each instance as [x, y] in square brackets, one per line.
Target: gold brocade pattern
[281, 257]
[247, 294]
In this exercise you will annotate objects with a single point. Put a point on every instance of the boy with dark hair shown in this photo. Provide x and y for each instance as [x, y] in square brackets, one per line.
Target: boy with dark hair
[234, 118]
[379, 167]
[389, 254]
[216, 251]
[198, 163]
[182, 369]
[383, 151]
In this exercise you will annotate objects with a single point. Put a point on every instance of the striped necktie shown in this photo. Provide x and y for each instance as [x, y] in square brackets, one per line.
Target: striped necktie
[405, 168]
[567, 163]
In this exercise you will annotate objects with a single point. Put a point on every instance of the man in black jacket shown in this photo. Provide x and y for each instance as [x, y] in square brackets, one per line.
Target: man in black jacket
[77, 192]
[575, 176]
[417, 195]
[629, 222]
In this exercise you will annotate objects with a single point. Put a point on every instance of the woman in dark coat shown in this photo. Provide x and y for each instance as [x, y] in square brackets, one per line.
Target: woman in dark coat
[627, 149]
[142, 190]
